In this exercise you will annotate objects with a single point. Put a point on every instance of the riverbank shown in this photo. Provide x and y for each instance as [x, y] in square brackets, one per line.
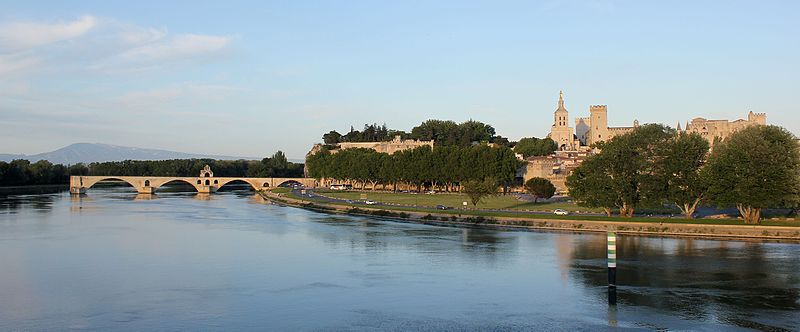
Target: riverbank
[711, 229]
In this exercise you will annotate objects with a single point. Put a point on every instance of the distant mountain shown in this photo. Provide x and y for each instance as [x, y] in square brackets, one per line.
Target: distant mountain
[96, 152]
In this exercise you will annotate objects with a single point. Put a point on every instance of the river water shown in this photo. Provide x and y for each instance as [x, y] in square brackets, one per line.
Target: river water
[112, 260]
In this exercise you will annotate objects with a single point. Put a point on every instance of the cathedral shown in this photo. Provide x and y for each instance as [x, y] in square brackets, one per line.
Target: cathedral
[587, 131]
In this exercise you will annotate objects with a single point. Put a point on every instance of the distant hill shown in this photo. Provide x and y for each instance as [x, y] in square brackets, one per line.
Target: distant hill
[96, 152]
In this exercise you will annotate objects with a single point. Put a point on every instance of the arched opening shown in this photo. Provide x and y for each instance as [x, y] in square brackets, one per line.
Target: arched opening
[216, 182]
[207, 174]
[208, 182]
[266, 185]
[177, 186]
[146, 183]
[113, 185]
[199, 182]
[290, 184]
[236, 185]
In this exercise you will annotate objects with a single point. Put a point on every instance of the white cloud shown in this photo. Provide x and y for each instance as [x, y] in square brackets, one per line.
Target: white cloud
[25, 35]
[112, 46]
[138, 36]
[154, 49]
[10, 64]
[180, 46]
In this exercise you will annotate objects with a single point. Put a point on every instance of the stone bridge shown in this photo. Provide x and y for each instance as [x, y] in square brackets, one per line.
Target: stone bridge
[206, 182]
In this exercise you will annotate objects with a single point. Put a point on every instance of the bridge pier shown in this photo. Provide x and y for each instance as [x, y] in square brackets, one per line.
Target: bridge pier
[206, 189]
[145, 190]
[77, 190]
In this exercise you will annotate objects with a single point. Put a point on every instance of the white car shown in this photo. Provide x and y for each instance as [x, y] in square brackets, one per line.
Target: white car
[560, 212]
[370, 202]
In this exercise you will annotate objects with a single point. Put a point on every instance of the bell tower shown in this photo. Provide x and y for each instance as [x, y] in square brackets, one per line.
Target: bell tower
[561, 132]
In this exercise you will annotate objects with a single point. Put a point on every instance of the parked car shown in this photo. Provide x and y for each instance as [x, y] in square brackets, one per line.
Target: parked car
[368, 202]
[349, 201]
[561, 212]
[443, 207]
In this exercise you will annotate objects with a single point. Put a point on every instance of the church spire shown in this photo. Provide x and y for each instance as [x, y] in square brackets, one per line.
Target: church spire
[679, 126]
[560, 99]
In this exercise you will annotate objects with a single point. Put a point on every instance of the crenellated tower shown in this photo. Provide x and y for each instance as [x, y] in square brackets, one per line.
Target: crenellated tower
[598, 121]
[757, 118]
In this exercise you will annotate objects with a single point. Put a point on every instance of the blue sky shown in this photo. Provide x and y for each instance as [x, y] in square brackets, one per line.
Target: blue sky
[250, 78]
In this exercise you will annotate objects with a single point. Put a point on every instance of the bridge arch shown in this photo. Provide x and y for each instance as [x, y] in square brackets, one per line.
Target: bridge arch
[89, 183]
[289, 183]
[246, 181]
[177, 180]
[254, 183]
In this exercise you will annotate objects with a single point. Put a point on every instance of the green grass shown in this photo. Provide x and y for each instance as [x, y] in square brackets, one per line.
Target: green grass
[454, 200]
[281, 190]
[539, 216]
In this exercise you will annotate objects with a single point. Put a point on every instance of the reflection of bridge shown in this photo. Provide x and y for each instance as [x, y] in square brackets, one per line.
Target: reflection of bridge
[206, 182]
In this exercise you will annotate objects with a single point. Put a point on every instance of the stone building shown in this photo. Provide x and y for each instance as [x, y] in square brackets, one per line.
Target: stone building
[561, 132]
[712, 129]
[390, 147]
[555, 167]
[588, 130]
[574, 146]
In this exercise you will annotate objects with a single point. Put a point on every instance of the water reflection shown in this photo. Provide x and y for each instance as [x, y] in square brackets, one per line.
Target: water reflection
[186, 261]
[13, 204]
[700, 279]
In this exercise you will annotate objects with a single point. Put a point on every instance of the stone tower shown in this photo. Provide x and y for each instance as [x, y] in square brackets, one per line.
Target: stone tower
[561, 132]
[598, 122]
[757, 118]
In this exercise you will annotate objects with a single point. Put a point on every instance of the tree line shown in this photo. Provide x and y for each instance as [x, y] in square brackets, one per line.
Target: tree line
[442, 132]
[754, 168]
[445, 133]
[443, 167]
[22, 172]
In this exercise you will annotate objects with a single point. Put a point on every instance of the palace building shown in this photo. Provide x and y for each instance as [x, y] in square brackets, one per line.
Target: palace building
[713, 129]
[574, 143]
[594, 128]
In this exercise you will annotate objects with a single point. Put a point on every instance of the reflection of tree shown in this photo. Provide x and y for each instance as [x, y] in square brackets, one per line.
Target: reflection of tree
[36, 203]
[698, 279]
[374, 236]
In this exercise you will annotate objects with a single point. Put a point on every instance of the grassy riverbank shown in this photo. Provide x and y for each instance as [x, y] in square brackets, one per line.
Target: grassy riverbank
[703, 228]
[456, 200]
[432, 200]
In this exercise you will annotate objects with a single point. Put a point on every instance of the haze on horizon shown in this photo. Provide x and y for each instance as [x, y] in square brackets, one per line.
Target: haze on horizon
[250, 78]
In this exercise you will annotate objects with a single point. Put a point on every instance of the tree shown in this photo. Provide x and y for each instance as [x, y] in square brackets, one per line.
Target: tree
[626, 169]
[679, 163]
[532, 146]
[540, 188]
[591, 186]
[332, 137]
[478, 190]
[755, 168]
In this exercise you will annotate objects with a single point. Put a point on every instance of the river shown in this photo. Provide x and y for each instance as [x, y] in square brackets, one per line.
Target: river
[112, 260]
